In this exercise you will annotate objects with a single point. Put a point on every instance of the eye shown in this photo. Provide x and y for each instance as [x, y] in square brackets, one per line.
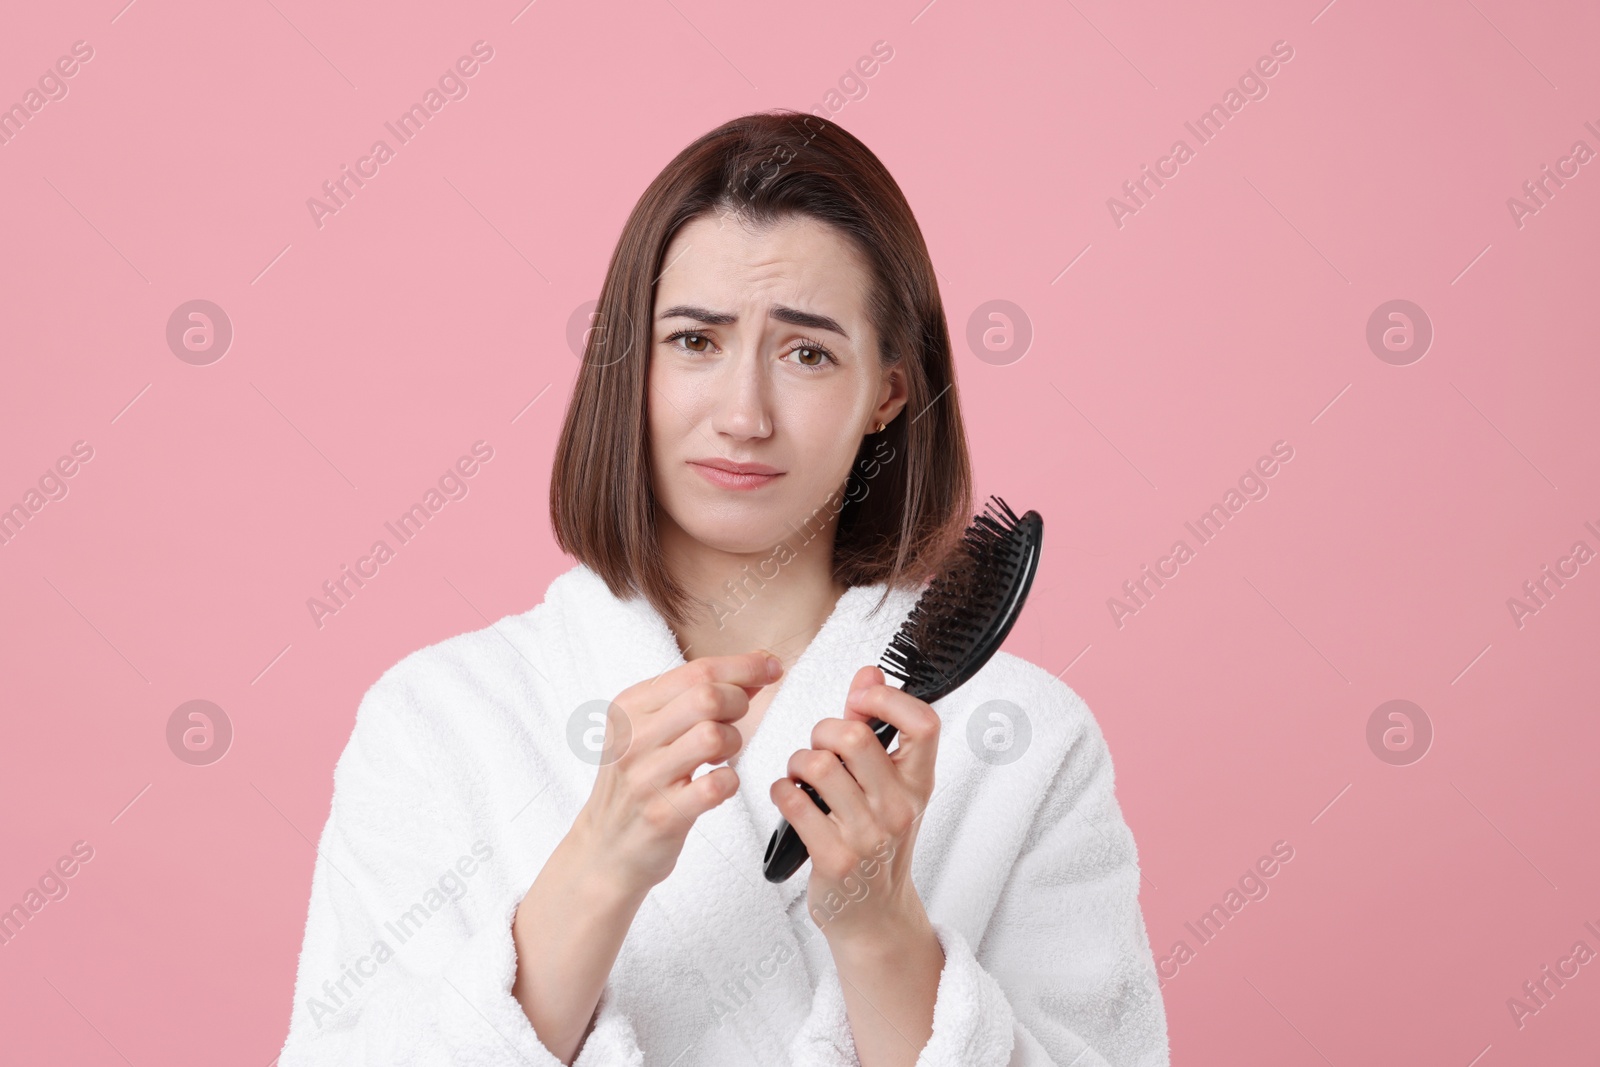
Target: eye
[811, 356]
[688, 335]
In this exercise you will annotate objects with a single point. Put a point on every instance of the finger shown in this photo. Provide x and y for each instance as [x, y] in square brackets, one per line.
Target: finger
[749, 670]
[866, 761]
[697, 796]
[719, 701]
[707, 741]
[916, 722]
[820, 833]
[833, 781]
[865, 678]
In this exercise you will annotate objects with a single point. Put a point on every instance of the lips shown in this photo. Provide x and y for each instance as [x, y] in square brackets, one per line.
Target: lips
[736, 468]
[725, 474]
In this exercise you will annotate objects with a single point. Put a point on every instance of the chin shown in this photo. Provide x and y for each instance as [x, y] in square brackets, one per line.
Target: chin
[742, 524]
[739, 530]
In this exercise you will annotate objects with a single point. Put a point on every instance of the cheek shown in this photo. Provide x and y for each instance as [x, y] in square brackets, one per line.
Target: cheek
[661, 443]
[823, 433]
[664, 408]
[656, 425]
[826, 413]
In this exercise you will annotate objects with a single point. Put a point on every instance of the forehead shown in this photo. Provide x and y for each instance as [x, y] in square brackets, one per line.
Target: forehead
[726, 263]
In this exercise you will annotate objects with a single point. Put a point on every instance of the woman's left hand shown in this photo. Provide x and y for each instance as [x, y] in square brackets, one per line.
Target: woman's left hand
[861, 888]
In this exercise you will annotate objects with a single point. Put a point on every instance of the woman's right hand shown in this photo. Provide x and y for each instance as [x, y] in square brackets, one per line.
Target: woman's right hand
[645, 800]
[627, 836]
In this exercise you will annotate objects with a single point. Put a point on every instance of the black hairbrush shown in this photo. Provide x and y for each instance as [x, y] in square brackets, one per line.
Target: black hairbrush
[956, 626]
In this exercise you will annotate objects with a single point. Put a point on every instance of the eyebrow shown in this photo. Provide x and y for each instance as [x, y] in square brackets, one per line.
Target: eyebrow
[793, 316]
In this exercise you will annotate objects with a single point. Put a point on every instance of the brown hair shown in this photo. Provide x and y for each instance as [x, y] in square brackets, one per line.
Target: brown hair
[764, 167]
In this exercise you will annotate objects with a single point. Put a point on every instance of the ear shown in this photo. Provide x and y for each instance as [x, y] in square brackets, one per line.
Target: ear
[892, 396]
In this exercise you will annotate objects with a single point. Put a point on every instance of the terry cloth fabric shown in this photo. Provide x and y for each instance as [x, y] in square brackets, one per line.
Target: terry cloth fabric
[459, 780]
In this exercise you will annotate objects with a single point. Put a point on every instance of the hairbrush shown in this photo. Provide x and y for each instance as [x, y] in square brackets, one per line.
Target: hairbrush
[956, 626]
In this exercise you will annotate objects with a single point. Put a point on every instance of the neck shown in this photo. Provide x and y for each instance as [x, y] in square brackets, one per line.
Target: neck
[776, 599]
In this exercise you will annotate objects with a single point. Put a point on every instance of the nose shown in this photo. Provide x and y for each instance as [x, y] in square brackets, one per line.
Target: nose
[741, 410]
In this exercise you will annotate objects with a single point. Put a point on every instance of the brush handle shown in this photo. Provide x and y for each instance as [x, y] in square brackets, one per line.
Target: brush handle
[785, 851]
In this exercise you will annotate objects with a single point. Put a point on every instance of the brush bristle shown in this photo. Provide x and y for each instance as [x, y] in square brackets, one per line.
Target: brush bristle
[959, 606]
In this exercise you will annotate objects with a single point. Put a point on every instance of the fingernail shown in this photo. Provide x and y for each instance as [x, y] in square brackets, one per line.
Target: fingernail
[774, 668]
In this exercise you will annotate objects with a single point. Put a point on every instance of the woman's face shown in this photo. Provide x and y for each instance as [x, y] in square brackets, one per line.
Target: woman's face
[762, 360]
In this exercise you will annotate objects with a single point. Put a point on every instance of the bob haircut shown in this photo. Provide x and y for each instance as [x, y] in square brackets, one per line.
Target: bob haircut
[901, 513]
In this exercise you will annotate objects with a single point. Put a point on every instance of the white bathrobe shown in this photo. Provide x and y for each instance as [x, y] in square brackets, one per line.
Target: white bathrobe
[459, 780]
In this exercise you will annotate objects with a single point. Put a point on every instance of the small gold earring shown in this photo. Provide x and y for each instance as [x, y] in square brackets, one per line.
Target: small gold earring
[881, 425]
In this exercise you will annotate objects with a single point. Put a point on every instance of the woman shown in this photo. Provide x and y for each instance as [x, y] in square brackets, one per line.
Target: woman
[546, 837]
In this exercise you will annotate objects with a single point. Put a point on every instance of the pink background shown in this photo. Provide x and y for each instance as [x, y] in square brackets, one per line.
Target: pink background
[1229, 313]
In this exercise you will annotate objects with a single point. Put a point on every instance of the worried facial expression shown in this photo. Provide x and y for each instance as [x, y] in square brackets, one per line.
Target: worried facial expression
[765, 375]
